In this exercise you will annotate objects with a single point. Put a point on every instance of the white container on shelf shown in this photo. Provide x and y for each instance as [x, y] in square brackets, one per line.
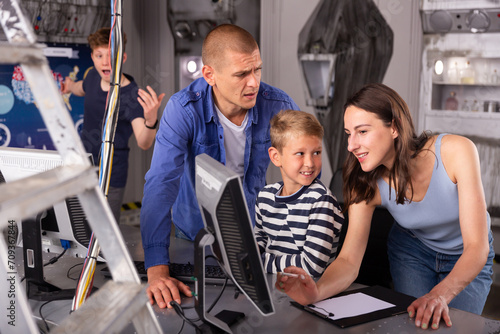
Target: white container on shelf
[467, 74]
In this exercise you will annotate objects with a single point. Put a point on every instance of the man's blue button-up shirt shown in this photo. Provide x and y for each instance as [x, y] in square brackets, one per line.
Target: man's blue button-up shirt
[189, 127]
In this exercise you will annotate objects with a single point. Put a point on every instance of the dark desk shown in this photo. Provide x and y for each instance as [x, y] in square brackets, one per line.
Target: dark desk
[286, 319]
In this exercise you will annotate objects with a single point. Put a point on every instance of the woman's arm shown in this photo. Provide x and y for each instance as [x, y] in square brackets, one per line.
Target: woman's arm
[461, 161]
[343, 271]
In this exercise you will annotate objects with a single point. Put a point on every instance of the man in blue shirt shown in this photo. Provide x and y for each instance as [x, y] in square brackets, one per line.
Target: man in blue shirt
[226, 115]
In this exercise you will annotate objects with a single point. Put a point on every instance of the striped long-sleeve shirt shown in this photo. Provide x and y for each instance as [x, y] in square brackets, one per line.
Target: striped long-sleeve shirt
[300, 230]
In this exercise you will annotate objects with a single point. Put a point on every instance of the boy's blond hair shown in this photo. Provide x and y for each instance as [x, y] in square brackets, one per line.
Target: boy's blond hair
[289, 123]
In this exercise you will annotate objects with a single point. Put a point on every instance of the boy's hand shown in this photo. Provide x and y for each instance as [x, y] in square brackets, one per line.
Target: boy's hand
[74, 87]
[150, 103]
[66, 85]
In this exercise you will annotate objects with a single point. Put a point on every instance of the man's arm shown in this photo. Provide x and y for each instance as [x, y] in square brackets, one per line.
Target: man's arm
[160, 192]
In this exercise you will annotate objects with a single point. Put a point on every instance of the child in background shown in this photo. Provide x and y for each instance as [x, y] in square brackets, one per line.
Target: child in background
[138, 113]
[298, 220]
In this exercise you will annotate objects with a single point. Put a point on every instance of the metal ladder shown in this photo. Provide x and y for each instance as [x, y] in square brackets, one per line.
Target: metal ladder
[124, 298]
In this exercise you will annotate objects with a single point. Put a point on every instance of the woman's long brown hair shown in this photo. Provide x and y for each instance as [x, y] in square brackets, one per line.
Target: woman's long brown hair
[391, 109]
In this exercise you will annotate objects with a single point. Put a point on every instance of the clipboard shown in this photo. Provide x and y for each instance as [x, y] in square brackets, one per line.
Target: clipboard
[400, 300]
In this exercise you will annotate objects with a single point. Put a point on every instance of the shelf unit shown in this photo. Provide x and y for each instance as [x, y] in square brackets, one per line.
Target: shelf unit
[444, 59]
[484, 122]
[455, 52]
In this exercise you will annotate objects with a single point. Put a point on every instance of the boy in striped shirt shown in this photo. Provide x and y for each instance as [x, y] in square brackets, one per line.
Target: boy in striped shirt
[297, 220]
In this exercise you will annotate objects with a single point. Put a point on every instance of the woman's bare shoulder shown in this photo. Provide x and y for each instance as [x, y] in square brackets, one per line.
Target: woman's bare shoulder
[456, 142]
[459, 153]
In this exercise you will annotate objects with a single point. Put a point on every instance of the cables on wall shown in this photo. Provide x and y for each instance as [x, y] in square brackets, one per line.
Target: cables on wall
[86, 280]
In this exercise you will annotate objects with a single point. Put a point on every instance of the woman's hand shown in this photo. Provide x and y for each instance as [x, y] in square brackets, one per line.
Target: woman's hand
[429, 310]
[302, 288]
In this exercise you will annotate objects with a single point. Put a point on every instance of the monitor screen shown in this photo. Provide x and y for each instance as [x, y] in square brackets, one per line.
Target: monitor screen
[65, 220]
[225, 214]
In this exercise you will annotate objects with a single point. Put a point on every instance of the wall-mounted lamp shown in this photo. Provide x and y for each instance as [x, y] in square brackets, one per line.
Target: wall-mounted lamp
[318, 75]
[189, 69]
[438, 67]
[192, 66]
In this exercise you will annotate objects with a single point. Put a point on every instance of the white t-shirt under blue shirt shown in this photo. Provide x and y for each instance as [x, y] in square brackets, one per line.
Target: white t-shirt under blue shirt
[234, 143]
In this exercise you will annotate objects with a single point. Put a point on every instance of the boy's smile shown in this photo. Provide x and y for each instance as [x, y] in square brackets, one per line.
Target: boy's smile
[299, 162]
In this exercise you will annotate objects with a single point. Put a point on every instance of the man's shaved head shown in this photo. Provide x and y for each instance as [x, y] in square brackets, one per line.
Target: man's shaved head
[222, 38]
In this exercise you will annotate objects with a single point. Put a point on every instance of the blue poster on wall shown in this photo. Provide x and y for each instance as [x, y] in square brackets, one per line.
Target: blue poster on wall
[21, 124]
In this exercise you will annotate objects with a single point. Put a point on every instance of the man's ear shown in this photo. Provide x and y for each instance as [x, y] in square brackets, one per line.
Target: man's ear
[275, 156]
[208, 74]
[124, 57]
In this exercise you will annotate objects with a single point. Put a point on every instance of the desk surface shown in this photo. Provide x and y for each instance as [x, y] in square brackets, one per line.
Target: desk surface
[286, 319]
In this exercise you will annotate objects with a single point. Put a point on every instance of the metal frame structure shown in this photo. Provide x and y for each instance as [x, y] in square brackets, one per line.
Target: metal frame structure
[118, 301]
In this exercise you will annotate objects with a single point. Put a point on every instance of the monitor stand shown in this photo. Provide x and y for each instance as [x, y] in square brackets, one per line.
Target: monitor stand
[211, 324]
[36, 286]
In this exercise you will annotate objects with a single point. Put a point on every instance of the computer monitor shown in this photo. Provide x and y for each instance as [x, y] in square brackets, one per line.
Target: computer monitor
[63, 226]
[229, 232]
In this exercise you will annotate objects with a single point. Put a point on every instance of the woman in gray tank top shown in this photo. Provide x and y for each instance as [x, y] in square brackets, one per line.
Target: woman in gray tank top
[432, 186]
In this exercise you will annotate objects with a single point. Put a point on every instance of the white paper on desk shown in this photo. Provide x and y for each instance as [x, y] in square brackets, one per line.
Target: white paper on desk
[350, 305]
